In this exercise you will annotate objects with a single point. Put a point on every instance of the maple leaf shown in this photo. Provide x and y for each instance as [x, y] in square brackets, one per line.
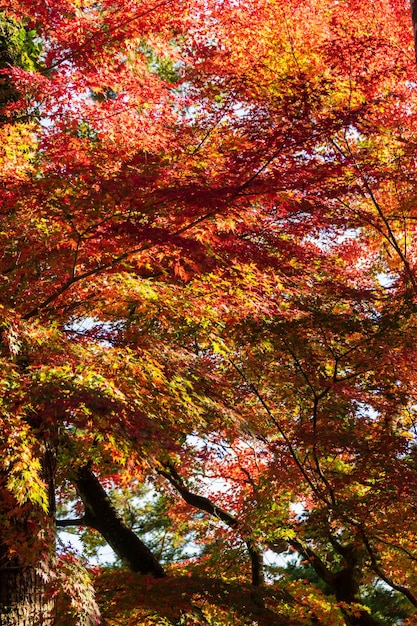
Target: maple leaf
[208, 254]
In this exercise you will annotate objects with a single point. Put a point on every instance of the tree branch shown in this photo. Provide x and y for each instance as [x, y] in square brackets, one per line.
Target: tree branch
[204, 504]
[101, 515]
[379, 572]
[343, 582]
[63, 523]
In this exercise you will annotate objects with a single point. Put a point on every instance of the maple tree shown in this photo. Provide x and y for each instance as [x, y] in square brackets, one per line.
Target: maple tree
[209, 291]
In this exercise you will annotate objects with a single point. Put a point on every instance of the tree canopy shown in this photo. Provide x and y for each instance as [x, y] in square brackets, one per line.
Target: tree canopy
[208, 311]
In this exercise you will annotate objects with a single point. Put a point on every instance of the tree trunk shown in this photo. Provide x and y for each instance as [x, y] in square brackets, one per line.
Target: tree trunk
[101, 515]
[343, 583]
[26, 546]
[343, 590]
[23, 598]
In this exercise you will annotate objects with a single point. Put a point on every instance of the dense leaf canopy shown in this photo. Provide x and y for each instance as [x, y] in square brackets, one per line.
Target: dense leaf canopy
[208, 265]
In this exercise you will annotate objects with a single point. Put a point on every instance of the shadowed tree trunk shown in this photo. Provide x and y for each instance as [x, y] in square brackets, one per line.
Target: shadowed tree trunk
[101, 515]
[22, 597]
[26, 545]
[343, 582]
[27, 534]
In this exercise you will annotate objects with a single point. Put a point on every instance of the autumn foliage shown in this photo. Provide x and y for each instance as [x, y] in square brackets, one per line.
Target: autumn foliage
[208, 309]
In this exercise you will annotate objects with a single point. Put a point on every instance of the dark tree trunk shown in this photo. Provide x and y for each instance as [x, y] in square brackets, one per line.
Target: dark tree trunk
[26, 546]
[23, 598]
[345, 592]
[27, 534]
[101, 515]
[343, 583]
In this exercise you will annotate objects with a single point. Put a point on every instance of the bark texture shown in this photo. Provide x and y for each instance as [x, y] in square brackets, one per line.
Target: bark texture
[23, 599]
[26, 544]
